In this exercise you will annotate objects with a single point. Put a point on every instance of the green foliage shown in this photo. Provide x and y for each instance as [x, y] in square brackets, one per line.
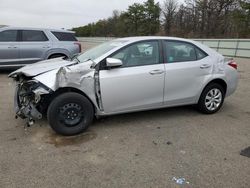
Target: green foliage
[242, 19]
[139, 19]
[194, 18]
[208, 19]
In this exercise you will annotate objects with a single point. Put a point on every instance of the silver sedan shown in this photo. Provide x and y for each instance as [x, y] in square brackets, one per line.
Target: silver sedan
[121, 76]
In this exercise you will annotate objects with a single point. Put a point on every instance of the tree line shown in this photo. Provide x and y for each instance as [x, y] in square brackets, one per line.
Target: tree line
[192, 19]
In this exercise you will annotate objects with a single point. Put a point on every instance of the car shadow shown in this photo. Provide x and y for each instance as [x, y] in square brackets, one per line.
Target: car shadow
[6, 71]
[149, 115]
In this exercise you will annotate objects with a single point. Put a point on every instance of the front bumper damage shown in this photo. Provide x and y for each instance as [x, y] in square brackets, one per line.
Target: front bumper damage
[28, 96]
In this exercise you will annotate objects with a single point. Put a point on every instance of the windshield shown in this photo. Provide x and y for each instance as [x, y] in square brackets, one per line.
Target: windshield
[98, 51]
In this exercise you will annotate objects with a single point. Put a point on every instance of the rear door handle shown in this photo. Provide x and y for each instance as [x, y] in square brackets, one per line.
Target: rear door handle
[46, 46]
[205, 66]
[158, 71]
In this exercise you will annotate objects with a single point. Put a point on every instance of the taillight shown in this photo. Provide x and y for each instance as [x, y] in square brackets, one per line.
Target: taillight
[79, 45]
[233, 64]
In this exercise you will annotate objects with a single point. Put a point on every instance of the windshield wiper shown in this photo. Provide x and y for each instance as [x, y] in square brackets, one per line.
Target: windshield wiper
[75, 58]
[93, 63]
[78, 61]
[88, 60]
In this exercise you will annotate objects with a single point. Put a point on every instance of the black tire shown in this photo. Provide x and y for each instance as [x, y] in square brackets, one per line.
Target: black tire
[70, 114]
[202, 101]
[56, 56]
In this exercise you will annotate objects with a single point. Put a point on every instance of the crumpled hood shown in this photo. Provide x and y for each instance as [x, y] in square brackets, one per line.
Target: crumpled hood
[67, 76]
[41, 67]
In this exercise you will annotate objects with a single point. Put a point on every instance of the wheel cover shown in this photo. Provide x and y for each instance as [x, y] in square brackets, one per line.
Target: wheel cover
[71, 114]
[213, 99]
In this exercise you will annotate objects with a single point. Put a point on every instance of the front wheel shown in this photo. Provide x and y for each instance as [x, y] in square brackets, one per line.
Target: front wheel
[211, 99]
[70, 114]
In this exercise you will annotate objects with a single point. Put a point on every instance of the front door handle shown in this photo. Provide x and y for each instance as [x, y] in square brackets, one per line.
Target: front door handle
[205, 66]
[46, 46]
[158, 71]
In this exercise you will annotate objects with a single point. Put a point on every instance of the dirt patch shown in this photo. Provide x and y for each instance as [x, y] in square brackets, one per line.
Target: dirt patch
[245, 152]
[232, 116]
[248, 113]
[60, 141]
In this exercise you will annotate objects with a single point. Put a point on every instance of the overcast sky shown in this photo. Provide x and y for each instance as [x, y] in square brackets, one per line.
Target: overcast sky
[59, 13]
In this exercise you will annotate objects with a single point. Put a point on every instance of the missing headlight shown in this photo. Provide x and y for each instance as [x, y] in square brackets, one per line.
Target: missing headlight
[28, 96]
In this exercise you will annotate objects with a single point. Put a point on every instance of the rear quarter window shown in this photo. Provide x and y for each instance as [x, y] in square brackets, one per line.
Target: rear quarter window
[200, 54]
[62, 36]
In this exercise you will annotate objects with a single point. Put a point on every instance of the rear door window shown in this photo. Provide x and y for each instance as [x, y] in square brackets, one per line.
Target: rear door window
[63, 36]
[8, 36]
[176, 51]
[33, 36]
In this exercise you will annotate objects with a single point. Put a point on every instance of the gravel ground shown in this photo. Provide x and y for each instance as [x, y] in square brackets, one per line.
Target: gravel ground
[146, 149]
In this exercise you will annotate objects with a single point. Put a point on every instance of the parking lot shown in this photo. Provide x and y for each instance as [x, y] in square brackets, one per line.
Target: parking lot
[146, 149]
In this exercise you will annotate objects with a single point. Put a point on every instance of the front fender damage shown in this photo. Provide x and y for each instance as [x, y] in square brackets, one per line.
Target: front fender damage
[80, 78]
[32, 95]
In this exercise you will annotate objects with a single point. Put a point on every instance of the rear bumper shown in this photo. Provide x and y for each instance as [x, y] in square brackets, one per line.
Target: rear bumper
[232, 81]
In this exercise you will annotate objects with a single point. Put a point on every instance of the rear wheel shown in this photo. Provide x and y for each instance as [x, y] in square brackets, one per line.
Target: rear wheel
[211, 99]
[70, 114]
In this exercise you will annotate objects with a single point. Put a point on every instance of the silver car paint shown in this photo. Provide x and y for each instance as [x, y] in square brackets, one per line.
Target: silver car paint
[22, 53]
[183, 81]
[9, 52]
[31, 52]
[81, 77]
[126, 86]
[42, 67]
[134, 89]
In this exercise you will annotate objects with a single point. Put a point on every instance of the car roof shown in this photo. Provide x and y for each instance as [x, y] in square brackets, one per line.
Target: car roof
[32, 28]
[140, 38]
[129, 40]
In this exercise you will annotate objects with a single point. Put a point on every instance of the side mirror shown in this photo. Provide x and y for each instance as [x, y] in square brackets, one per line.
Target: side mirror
[112, 62]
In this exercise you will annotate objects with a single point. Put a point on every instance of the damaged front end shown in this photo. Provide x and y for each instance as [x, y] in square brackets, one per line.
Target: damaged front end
[28, 96]
[35, 90]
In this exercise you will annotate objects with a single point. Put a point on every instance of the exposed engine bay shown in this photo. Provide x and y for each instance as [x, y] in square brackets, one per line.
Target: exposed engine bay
[35, 90]
[28, 96]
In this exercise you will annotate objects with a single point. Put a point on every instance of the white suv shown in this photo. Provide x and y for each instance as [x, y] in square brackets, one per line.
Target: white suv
[22, 46]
